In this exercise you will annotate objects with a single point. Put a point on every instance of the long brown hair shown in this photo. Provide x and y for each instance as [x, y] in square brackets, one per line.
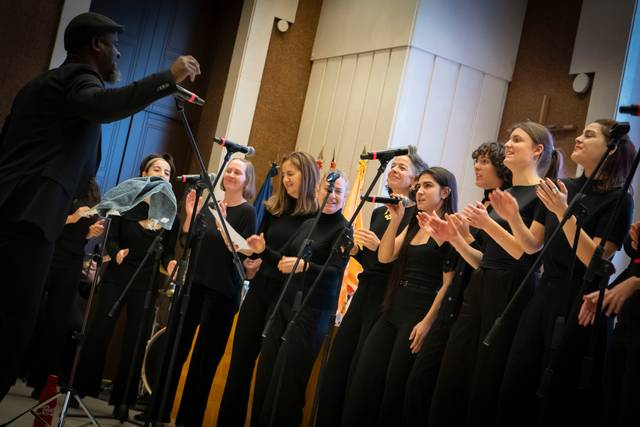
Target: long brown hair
[618, 164]
[550, 160]
[306, 203]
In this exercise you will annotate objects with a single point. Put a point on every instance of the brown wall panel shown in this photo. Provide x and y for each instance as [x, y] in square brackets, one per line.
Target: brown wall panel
[283, 89]
[27, 31]
[542, 68]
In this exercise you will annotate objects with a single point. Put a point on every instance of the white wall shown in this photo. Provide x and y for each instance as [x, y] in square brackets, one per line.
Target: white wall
[437, 80]
[70, 8]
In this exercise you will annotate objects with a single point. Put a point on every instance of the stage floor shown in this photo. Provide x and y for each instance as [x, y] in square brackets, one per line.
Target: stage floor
[19, 400]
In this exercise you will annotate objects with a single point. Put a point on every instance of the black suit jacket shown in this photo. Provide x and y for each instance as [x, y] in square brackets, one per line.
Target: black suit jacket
[50, 142]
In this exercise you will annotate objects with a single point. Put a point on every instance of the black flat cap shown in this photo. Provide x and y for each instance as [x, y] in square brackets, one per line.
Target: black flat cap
[85, 26]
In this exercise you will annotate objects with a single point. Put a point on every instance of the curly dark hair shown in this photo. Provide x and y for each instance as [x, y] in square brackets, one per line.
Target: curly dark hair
[494, 151]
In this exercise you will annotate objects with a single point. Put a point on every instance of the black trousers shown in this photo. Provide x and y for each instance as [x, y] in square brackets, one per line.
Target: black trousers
[54, 323]
[247, 341]
[622, 377]
[214, 313]
[284, 368]
[376, 393]
[94, 352]
[470, 374]
[364, 310]
[422, 379]
[25, 257]
[534, 350]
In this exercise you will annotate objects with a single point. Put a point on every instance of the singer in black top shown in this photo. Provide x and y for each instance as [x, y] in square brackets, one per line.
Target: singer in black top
[50, 148]
[421, 273]
[284, 369]
[534, 347]
[470, 373]
[622, 367]
[293, 202]
[366, 305]
[490, 173]
[130, 236]
[215, 293]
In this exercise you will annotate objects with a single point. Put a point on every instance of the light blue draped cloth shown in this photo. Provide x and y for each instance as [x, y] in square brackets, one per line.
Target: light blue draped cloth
[124, 196]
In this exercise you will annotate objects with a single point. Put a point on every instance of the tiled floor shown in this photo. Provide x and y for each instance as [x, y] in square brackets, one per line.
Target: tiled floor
[19, 400]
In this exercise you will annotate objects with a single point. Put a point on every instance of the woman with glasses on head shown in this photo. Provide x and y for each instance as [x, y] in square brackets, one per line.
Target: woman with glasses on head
[283, 369]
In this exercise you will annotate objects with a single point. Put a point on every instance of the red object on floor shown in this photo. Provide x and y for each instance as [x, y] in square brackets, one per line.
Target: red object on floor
[47, 411]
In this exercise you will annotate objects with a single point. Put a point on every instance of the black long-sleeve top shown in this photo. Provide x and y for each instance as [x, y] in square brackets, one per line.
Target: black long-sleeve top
[494, 256]
[214, 266]
[125, 232]
[70, 245]
[329, 227]
[277, 232]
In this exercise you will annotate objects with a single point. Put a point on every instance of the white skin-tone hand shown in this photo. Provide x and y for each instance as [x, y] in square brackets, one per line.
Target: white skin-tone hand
[504, 204]
[251, 267]
[418, 333]
[553, 195]
[461, 225]
[95, 229]
[612, 303]
[366, 238]
[171, 266]
[396, 211]
[285, 265]
[439, 229]
[257, 243]
[75, 217]
[185, 66]
[477, 215]
[391, 242]
[188, 207]
[223, 208]
[121, 255]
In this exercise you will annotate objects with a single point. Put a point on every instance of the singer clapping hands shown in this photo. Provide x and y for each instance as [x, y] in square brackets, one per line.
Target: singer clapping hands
[504, 204]
[185, 66]
[286, 265]
[553, 195]
[188, 207]
[367, 238]
[477, 215]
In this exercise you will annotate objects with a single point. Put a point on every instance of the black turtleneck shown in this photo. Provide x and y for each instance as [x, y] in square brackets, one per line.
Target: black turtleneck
[329, 227]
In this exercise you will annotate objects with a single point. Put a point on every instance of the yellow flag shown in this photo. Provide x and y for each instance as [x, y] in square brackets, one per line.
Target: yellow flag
[350, 279]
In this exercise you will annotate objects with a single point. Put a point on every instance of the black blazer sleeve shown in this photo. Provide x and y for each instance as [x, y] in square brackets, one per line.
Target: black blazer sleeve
[88, 98]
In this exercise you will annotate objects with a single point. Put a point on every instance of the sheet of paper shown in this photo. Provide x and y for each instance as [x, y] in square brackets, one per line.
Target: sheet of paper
[236, 238]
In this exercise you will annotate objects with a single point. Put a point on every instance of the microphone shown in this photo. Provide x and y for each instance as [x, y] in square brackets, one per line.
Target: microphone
[387, 200]
[193, 178]
[333, 176]
[388, 154]
[617, 131]
[633, 110]
[235, 147]
[188, 96]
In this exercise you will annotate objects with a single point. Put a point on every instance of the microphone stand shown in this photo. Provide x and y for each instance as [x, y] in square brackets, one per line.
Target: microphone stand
[155, 248]
[68, 390]
[345, 240]
[176, 320]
